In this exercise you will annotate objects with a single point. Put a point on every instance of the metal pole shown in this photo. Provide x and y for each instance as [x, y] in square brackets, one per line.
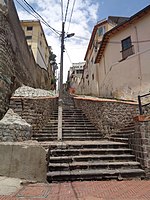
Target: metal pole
[59, 137]
[140, 105]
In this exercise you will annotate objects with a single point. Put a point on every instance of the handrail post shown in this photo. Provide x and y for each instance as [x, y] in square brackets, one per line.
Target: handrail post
[140, 105]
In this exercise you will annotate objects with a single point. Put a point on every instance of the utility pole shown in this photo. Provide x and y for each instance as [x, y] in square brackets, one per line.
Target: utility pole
[60, 101]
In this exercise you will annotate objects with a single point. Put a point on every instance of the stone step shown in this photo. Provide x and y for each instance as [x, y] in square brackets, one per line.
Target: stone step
[80, 131]
[130, 128]
[99, 144]
[89, 128]
[82, 138]
[94, 174]
[83, 127]
[40, 139]
[91, 158]
[81, 134]
[125, 132]
[66, 135]
[73, 152]
[76, 120]
[69, 132]
[117, 139]
[121, 135]
[93, 165]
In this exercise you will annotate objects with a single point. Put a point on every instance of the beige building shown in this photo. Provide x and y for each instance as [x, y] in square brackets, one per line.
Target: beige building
[75, 74]
[119, 65]
[89, 82]
[123, 59]
[37, 42]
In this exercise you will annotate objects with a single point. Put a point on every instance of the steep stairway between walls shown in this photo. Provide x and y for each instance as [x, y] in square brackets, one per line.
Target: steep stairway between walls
[83, 153]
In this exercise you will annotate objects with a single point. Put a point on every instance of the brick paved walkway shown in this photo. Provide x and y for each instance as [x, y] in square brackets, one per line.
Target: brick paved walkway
[94, 190]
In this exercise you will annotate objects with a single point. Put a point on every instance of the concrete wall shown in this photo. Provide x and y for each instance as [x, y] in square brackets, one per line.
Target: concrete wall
[17, 64]
[23, 160]
[107, 115]
[130, 77]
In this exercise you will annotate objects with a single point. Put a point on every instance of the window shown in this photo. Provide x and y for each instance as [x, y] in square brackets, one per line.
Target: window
[101, 31]
[127, 47]
[92, 76]
[29, 28]
[40, 43]
[28, 37]
[80, 71]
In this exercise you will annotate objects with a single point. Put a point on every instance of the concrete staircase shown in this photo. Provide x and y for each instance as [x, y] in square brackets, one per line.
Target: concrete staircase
[92, 160]
[123, 134]
[84, 154]
[76, 126]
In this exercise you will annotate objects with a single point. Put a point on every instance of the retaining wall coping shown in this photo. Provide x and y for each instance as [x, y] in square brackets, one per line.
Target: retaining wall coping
[46, 97]
[105, 100]
[141, 118]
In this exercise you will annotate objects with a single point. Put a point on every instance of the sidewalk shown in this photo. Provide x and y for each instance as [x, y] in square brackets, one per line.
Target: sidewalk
[89, 190]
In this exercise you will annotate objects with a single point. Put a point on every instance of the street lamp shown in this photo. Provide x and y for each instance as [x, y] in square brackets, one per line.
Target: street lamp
[60, 101]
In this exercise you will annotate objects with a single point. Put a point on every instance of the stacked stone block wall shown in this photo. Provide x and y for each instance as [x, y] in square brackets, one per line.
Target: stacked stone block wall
[140, 144]
[36, 111]
[107, 115]
[17, 64]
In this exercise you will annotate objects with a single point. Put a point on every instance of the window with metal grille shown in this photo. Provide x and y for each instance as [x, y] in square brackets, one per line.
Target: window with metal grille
[127, 47]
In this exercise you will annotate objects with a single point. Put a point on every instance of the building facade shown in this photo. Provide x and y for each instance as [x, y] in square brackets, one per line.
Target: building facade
[123, 58]
[89, 83]
[37, 42]
[74, 76]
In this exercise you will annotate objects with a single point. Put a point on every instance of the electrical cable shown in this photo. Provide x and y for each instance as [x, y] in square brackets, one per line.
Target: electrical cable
[71, 15]
[46, 23]
[62, 12]
[25, 9]
[68, 56]
[67, 10]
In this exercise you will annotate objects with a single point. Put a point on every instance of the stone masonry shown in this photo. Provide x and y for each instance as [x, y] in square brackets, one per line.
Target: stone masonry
[13, 128]
[17, 64]
[34, 105]
[140, 144]
[107, 115]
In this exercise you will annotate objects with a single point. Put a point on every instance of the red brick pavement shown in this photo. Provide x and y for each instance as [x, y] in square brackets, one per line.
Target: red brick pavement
[94, 190]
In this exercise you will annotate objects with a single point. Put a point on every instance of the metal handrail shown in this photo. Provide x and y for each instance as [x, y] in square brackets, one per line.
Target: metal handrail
[140, 103]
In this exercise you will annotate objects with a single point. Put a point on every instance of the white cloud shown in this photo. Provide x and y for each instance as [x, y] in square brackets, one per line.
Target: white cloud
[83, 19]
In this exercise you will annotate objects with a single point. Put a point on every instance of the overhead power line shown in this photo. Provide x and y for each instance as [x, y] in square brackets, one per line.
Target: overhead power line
[26, 9]
[37, 15]
[71, 15]
[62, 10]
[67, 10]
[68, 56]
[41, 17]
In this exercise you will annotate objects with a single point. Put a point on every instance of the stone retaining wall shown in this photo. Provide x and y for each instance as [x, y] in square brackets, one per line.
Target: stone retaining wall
[107, 115]
[36, 111]
[17, 63]
[139, 142]
[13, 128]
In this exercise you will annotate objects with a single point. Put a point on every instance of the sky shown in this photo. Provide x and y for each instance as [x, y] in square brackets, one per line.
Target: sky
[85, 15]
